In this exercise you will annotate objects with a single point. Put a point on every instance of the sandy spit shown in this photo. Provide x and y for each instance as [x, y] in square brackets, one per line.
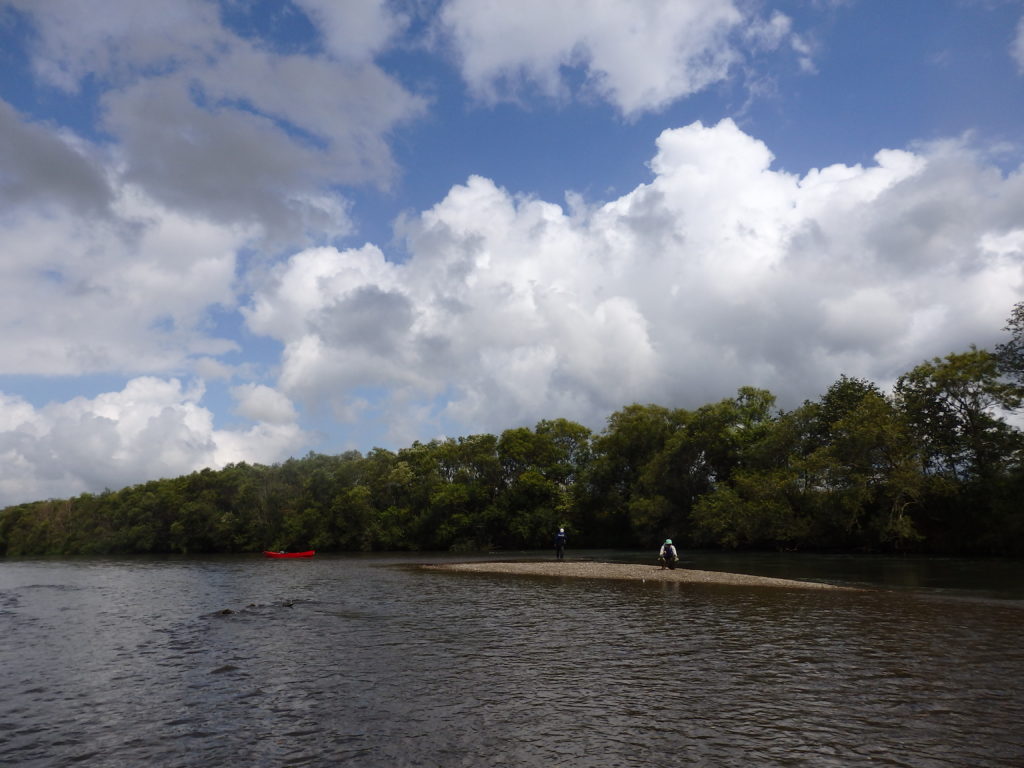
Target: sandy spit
[595, 570]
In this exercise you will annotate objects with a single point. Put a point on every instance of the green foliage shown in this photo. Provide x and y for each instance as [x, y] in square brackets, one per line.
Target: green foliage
[952, 405]
[955, 407]
[934, 467]
[1010, 354]
[757, 509]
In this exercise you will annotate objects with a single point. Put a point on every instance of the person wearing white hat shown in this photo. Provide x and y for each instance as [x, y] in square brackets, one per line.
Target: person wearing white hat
[560, 544]
[668, 556]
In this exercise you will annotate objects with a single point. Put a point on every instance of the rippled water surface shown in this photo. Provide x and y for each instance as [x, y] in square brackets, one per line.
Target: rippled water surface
[368, 660]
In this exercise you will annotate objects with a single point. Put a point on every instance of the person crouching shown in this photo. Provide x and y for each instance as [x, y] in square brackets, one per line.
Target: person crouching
[668, 556]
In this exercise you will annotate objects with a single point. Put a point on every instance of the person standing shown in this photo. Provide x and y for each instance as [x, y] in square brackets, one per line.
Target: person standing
[560, 544]
[667, 555]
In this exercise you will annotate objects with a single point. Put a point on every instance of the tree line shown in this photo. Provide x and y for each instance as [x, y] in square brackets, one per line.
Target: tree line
[934, 466]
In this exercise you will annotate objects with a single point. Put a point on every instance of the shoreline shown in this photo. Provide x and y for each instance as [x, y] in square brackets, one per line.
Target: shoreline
[631, 572]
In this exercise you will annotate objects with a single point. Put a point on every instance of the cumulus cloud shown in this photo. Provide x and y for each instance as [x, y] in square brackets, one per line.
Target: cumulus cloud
[116, 250]
[226, 127]
[720, 272]
[152, 428]
[262, 403]
[639, 57]
[122, 292]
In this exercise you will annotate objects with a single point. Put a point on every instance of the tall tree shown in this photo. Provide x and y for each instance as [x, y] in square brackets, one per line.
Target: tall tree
[953, 404]
[1010, 354]
[871, 475]
[634, 436]
[955, 408]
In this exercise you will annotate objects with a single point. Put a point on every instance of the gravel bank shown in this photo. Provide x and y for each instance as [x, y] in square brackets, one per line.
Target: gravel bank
[621, 571]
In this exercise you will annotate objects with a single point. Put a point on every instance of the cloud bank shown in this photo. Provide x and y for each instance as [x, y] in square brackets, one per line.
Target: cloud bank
[152, 428]
[719, 272]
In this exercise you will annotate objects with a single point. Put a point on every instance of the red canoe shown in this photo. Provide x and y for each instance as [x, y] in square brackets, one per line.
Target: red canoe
[309, 553]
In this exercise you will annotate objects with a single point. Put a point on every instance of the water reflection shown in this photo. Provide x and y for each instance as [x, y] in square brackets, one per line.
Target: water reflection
[239, 661]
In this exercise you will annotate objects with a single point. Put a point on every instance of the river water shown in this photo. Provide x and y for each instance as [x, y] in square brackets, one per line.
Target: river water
[370, 661]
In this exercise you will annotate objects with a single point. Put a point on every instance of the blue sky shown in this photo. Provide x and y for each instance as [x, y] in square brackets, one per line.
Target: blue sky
[241, 231]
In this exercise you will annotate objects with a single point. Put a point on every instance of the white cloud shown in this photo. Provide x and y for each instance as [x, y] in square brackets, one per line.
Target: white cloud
[356, 29]
[75, 39]
[211, 369]
[258, 402]
[127, 292]
[116, 253]
[638, 56]
[152, 428]
[721, 272]
[770, 33]
[225, 127]
[1017, 49]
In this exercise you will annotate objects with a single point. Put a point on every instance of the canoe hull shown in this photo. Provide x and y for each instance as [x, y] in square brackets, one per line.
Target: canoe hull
[285, 555]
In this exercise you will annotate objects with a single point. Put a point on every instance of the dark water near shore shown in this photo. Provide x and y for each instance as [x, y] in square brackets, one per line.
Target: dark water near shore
[240, 661]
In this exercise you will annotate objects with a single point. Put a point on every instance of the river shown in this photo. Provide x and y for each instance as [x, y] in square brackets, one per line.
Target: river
[370, 661]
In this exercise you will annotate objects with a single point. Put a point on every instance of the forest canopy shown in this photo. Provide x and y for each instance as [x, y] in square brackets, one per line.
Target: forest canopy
[934, 466]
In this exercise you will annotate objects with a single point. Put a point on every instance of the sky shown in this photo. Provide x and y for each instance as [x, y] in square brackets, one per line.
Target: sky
[243, 231]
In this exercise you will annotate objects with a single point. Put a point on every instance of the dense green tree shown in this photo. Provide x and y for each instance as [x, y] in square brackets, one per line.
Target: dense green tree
[570, 450]
[869, 475]
[935, 467]
[756, 509]
[753, 490]
[839, 472]
[952, 406]
[621, 454]
[703, 449]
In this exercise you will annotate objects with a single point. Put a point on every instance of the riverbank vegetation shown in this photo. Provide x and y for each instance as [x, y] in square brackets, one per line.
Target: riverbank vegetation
[934, 466]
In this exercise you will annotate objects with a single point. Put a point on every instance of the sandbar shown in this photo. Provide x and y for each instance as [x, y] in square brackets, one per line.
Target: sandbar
[588, 569]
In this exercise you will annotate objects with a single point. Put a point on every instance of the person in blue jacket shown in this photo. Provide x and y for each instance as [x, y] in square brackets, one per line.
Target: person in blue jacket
[560, 544]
